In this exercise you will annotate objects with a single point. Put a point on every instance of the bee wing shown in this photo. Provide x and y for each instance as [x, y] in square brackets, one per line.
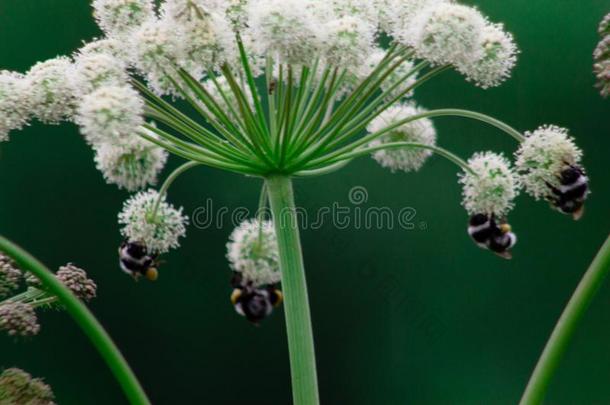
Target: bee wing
[577, 215]
[505, 255]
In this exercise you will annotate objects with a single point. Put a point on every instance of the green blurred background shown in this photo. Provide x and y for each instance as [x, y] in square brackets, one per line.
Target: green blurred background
[417, 317]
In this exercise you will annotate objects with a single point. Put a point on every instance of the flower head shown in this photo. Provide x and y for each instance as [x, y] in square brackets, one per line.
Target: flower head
[10, 275]
[77, 281]
[95, 70]
[288, 30]
[108, 46]
[196, 24]
[111, 114]
[396, 16]
[447, 33]
[18, 319]
[367, 10]
[18, 387]
[160, 230]
[51, 94]
[419, 131]
[133, 166]
[252, 251]
[349, 40]
[498, 59]
[493, 186]
[118, 17]
[156, 49]
[542, 157]
[14, 103]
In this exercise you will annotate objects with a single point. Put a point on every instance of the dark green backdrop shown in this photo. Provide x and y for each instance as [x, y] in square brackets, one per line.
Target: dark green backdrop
[419, 317]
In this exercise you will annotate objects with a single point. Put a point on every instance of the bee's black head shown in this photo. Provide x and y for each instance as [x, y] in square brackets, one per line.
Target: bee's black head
[570, 175]
[136, 249]
[237, 280]
[478, 219]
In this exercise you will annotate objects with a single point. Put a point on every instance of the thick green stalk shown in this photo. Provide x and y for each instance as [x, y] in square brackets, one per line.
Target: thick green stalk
[566, 326]
[85, 319]
[296, 302]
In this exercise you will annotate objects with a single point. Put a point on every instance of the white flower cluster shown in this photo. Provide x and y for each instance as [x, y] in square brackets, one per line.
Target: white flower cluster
[419, 131]
[287, 30]
[493, 186]
[51, 97]
[394, 15]
[14, 103]
[118, 17]
[93, 70]
[110, 114]
[131, 167]
[499, 58]
[160, 230]
[458, 35]
[252, 250]
[447, 34]
[542, 156]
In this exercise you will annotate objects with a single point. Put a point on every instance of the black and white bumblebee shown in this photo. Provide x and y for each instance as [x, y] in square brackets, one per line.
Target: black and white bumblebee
[254, 303]
[135, 260]
[490, 234]
[569, 197]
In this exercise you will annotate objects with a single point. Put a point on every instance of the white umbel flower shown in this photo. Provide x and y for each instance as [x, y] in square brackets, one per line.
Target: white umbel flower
[111, 114]
[291, 31]
[14, 103]
[50, 90]
[156, 49]
[542, 156]
[396, 16]
[159, 233]
[499, 58]
[108, 46]
[195, 23]
[492, 188]
[95, 70]
[349, 40]
[130, 167]
[252, 250]
[447, 34]
[118, 17]
[418, 131]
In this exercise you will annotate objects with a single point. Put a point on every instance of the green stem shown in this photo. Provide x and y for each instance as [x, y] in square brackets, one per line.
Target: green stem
[168, 182]
[85, 319]
[296, 302]
[566, 326]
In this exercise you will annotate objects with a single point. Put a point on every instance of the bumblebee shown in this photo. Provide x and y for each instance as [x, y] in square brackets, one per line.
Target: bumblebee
[569, 197]
[487, 233]
[254, 303]
[135, 260]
